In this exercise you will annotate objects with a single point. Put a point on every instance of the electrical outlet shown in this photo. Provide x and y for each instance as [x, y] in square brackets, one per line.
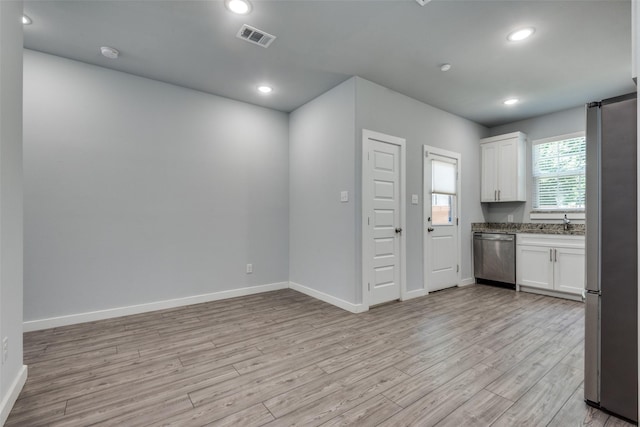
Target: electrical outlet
[509, 218]
[5, 349]
[344, 196]
[414, 199]
[249, 268]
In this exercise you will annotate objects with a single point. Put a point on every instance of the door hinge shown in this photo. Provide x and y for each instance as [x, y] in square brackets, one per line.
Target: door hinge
[368, 154]
[368, 221]
[457, 221]
[426, 154]
[457, 268]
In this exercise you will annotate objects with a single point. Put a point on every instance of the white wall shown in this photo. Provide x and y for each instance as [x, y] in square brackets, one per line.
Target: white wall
[322, 229]
[12, 372]
[138, 191]
[326, 158]
[546, 126]
[383, 110]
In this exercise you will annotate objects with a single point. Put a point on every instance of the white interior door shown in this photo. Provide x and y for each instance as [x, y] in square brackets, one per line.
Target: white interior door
[382, 202]
[441, 200]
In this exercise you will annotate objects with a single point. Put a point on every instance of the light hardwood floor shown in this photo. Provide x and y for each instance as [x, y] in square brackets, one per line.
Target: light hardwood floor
[474, 356]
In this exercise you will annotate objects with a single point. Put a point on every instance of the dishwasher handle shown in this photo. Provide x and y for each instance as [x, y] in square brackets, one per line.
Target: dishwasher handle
[494, 236]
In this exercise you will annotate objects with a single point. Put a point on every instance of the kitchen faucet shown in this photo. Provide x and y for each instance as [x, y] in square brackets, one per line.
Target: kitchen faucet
[566, 223]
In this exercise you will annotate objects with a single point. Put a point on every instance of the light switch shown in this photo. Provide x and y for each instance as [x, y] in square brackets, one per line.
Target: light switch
[344, 196]
[414, 199]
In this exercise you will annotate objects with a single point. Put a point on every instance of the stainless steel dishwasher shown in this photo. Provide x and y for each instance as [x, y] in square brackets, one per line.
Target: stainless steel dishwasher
[494, 257]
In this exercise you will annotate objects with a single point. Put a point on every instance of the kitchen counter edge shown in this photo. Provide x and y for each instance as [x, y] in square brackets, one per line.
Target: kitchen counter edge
[529, 228]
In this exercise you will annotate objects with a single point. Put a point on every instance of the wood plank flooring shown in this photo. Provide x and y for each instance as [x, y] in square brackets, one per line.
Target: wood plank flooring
[473, 356]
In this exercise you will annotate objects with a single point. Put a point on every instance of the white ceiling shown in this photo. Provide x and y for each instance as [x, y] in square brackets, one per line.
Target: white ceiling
[581, 50]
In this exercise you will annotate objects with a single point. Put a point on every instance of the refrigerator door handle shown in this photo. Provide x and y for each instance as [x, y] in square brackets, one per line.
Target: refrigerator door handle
[592, 221]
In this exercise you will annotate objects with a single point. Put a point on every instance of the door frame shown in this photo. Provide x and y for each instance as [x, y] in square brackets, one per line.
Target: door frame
[367, 234]
[426, 203]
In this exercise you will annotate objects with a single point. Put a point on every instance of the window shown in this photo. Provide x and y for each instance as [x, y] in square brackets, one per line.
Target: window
[441, 209]
[559, 173]
[443, 192]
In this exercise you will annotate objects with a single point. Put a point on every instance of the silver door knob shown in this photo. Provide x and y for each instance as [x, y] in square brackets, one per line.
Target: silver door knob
[398, 230]
[430, 229]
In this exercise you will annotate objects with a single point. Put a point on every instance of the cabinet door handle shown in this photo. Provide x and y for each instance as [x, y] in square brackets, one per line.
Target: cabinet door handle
[495, 194]
[498, 194]
[550, 255]
[555, 255]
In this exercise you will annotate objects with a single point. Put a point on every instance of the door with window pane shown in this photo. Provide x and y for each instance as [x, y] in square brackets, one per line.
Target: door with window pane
[441, 220]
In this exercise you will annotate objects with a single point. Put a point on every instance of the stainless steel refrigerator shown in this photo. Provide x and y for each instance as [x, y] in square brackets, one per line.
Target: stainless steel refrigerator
[611, 334]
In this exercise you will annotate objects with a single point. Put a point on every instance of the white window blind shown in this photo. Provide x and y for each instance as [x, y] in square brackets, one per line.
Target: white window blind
[443, 177]
[559, 173]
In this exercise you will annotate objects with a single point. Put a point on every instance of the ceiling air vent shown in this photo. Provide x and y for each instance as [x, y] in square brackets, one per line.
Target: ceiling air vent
[255, 36]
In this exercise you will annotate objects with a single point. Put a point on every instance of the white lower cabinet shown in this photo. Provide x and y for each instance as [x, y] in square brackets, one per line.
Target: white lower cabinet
[568, 272]
[534, 266]
[551, 262]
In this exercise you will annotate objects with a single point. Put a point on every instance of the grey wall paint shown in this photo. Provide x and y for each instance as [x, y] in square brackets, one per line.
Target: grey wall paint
[138, 191]
[11, 190]
[322, 158]
[549, 125]
[383, 110]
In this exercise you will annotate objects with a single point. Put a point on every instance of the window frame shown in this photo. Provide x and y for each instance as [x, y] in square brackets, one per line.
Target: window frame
[542, 213]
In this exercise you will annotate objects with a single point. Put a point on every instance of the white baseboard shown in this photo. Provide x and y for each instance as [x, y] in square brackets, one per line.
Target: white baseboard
[12, 394]
[72, 319]
[53, 322]
[467, 282]
[416, 293]
[564, 295]
[353, 308]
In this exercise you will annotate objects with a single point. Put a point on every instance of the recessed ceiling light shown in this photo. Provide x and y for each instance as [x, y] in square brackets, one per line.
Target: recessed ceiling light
[445, 67]
[26, 20]
[265, 89]
[109, 52]
[241, 7]
[511, 101]
[521, 34]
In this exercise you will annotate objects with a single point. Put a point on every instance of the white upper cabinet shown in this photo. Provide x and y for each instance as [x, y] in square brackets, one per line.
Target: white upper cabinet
[503, 168]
